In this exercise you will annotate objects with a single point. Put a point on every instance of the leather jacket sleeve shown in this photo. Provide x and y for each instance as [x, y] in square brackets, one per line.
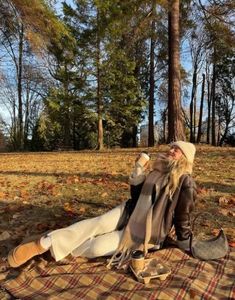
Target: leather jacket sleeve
[135, 191]
[184, 208]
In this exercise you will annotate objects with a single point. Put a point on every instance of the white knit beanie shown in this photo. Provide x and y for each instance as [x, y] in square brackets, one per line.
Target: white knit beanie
[188, 149]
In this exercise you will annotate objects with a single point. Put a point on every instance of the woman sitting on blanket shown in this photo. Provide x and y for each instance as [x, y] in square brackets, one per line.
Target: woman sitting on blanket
[163, 198]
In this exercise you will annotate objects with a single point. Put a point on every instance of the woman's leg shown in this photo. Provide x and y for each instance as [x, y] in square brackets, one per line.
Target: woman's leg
[65, 240]
[102, 245]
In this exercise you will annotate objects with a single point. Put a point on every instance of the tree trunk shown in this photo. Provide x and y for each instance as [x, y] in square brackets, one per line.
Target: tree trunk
[26, 119]
[195, 114]
[199, 133]
[218, 131]
[19, 91]
[226, 130]
[134, 136]
[100, 145]
[175, 122]
[164, 117]
[152, 81]
[193, 106]
[67, 123]
[14, 125]
[74, 128]
[208, 109]
[67, 115]
[213, 123]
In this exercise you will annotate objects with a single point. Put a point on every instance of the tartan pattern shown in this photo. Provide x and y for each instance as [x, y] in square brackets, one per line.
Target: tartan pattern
[78, 278]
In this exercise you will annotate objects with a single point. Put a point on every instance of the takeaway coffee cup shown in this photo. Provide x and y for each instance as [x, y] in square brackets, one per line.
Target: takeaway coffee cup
[143, 159]
[137, 260]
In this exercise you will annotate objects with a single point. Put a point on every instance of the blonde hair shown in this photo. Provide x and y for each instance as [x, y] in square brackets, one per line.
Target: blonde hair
[177, 169]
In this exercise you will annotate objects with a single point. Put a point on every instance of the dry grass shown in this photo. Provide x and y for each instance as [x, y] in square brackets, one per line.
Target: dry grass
[44, 191]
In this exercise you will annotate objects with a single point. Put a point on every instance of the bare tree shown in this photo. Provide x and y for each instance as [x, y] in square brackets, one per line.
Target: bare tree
[199, 133]
[197, 50]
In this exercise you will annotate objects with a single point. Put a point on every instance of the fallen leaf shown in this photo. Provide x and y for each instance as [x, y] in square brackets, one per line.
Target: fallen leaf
[201, 191]
[2, 195]
[82, 209]
[231, 244]
[72, 179]
[4, 236]
[69, 209]
[24, 194]
[231, 213]
[104, 195]
[223, 201]
[125, 185]
[215, 231]
[224, 211]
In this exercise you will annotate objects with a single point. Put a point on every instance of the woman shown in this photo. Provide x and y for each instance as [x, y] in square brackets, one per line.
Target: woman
[162, 199]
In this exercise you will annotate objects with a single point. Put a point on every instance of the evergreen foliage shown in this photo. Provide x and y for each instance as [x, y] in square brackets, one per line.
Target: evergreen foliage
[88, 78]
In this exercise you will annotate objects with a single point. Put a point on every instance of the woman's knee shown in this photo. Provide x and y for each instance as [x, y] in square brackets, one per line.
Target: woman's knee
[104, 245]
[95, 250]
[108, 221]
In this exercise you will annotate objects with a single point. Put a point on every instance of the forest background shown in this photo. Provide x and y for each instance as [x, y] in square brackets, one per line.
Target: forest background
[88, 75]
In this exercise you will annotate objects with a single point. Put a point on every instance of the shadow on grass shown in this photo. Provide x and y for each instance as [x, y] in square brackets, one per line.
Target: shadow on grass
[20, 221]
[224, 188]
[117, 177]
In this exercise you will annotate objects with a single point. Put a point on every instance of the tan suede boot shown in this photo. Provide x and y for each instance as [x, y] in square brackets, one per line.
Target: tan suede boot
[24, 252]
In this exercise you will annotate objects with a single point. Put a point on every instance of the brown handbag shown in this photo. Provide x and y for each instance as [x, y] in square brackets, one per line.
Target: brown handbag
[213, 248]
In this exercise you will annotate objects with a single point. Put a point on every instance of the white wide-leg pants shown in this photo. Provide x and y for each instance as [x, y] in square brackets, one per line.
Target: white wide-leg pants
[88, 238]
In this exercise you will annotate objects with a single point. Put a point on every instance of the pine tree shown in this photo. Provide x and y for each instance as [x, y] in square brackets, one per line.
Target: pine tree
[175, 122]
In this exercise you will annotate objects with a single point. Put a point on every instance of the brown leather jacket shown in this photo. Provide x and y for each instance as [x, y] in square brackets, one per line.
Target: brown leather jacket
[177, 211]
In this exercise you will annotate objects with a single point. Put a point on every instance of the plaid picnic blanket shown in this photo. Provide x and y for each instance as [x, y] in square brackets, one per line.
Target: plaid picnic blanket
[82, 279]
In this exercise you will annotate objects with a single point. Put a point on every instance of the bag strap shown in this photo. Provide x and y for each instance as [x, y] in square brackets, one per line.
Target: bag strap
[204, 213]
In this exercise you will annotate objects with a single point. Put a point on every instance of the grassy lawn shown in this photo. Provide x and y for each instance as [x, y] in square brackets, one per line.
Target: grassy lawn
[44, 191]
